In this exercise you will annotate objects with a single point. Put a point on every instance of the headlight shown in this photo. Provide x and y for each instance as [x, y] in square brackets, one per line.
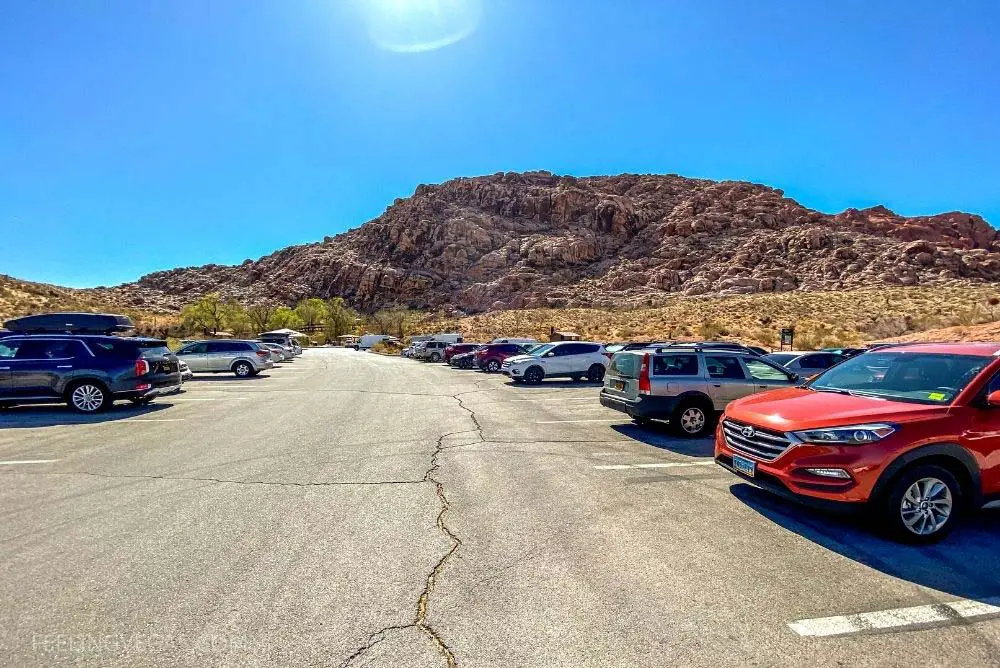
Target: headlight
[857, 434]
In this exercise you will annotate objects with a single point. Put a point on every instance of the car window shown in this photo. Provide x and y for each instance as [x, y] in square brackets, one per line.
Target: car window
[724, 366]
[61, 350]
[675, 365]
[8, 349]
[195, 348]
[572, 349]
[760, 370]
[31, 350]
[817, 361]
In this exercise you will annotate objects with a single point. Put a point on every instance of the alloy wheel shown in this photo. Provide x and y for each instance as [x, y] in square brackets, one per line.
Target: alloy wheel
[926, 506]
[242, 370]
[87, 398]
[693, 420]
[493, 366]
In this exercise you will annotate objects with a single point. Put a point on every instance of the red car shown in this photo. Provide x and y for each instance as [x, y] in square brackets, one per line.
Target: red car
[458, 349]
[491, 357]
[910, 432]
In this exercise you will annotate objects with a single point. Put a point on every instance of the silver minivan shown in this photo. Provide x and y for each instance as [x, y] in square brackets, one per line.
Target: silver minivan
[687, 387]
[243, 358]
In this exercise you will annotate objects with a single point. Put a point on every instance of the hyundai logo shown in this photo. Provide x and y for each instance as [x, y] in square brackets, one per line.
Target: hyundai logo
[748, 432]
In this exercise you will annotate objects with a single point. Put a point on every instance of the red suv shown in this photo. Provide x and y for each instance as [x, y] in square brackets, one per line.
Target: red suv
[912, 432]
[491, 357]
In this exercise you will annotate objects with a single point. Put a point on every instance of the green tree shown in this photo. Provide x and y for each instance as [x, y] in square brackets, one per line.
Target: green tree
[259, 314]
[236, 319]
[205, 315]
[311, 311]
[284, 317]
[340, 319]
[394, 322]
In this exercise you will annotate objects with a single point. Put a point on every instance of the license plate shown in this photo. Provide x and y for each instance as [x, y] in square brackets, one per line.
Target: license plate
[618, 385]
[747, 467]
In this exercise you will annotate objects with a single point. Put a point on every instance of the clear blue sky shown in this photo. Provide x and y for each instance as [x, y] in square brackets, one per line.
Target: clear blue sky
[137, 136]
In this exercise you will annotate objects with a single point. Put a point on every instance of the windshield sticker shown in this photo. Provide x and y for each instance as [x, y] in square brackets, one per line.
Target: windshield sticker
[935, 396]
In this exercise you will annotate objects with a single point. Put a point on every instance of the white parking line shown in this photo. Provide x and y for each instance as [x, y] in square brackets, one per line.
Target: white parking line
[898, 618]
[657, 465]
[13, 462]
[567, 421]
[594, 399]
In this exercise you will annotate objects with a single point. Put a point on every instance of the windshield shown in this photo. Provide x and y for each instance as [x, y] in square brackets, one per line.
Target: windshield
[538, 351]
[928, 378]
[781, 358]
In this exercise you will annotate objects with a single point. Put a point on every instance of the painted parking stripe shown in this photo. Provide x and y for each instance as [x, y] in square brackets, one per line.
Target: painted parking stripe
[14, 462]
[657, 465]
[572, 421]
[897, 619]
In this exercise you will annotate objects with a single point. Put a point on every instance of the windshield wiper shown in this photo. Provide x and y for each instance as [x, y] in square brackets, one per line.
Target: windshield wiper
[834, 390]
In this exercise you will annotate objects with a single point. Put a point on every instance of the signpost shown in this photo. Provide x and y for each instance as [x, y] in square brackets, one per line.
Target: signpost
[788, 338]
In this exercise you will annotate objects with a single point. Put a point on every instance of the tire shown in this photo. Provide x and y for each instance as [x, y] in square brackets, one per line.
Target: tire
[492, 366]
[691, 419]
[243, 369]
[142, 401]
[595, 374]
[910, 522]
[88, 397]
[435, 357]
[534, 375]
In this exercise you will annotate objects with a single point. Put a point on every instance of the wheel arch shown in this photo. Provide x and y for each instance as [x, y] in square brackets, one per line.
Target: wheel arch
[956, 459]
[695, 396]
[72, 383]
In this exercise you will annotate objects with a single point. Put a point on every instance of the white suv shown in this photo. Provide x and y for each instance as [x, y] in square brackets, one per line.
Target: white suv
[567, 359]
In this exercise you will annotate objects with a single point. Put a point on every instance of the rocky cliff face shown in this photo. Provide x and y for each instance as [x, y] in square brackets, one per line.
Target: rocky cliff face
[538, 239]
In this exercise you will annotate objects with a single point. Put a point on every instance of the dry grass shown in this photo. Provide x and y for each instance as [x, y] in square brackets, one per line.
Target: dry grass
[820, 318]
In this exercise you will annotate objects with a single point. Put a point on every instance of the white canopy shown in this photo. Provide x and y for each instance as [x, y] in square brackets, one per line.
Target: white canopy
[286, 332]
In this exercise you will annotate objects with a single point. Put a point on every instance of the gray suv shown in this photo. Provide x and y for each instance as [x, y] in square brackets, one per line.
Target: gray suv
[243, 358]
[688, 387]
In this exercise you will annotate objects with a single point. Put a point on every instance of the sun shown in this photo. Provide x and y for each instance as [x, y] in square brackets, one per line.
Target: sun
[410, 26]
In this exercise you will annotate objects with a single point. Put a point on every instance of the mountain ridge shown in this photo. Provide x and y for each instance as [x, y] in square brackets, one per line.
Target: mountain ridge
[537, 239]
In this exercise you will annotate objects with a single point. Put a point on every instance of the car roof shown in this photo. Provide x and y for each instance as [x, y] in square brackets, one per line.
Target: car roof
[85, 337]
[956, 348]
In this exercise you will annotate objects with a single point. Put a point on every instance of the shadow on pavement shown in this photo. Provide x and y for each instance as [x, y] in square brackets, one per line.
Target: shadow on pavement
[965, 564]
[550, 383]
[658, 435]
[53, 415]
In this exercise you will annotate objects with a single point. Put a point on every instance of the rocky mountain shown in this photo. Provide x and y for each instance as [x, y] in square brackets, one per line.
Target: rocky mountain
[515, 240]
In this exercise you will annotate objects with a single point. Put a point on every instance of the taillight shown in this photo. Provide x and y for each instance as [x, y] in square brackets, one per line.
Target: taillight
[607, 354]
[141, 367]
[263, 353]
[644, 375]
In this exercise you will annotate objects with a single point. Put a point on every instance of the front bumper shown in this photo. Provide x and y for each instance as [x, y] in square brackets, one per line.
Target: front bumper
[787, 475]
[650, 407]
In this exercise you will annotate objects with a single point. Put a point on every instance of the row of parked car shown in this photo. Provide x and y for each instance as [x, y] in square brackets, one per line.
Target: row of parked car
[84, 360]
[909, 433]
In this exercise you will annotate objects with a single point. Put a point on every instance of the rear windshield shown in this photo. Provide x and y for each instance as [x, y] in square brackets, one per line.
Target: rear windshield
[128, 348]
[625, 364]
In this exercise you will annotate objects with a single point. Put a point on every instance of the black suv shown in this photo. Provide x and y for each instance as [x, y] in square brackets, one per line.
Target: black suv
[88, 372]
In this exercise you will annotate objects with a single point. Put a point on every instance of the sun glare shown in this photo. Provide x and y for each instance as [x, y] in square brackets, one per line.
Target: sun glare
[409, 26]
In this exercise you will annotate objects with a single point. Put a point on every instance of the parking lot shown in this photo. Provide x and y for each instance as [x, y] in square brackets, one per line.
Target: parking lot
[348, 508]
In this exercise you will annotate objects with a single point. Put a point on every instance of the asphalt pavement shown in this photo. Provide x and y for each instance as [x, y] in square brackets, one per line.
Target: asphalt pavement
[352, 509]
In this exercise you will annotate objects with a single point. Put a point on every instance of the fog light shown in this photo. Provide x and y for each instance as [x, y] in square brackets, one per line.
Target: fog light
[831, 473]
[143, 386]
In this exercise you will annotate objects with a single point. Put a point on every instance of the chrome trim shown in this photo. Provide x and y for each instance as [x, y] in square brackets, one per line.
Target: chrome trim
[762, 444]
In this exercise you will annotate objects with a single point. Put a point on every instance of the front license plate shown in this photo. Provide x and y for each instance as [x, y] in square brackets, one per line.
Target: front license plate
[745, 466]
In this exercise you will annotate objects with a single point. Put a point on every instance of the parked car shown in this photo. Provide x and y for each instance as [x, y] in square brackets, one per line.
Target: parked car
[465, 360]
[915, 444]
[567, 359]
[431, 351]
[505, 339]
[458, 349]
[687, 386]
[284, 340]
[805, 363]
[366, 341]
[491, 356]
[88, 372]
[243, 358]
[278, 353]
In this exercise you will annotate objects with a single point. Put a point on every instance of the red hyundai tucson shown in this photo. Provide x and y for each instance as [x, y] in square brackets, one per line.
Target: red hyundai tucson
[911, 432]
[490, 357]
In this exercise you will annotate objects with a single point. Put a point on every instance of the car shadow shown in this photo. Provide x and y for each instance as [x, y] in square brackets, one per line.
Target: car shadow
[55, 415]
[964, 564]
[658, 435]
[548, 384]
[225, 377]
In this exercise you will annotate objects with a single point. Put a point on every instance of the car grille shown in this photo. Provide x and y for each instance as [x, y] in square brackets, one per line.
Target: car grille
[764, 444]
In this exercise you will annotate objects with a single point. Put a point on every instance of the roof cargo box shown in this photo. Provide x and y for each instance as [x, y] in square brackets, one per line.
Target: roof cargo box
[70, 323]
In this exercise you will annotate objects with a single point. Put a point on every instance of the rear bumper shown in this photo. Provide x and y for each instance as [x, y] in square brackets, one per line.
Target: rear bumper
[659, 408]
[164, 384]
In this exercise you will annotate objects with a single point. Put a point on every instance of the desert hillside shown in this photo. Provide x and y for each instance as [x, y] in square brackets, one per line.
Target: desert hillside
[538, 240]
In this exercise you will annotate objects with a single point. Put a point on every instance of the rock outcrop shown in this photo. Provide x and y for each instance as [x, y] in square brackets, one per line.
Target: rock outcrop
[537, 239]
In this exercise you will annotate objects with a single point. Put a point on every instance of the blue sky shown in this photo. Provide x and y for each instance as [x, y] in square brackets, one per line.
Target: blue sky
[137, 136]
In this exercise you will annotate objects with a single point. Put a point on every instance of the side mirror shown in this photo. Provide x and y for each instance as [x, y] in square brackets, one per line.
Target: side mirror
[549, 354]
[993, 399]
[794, 377]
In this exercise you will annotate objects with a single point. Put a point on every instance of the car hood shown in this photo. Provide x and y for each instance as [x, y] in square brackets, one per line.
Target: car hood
[796, 408]
[514, 359]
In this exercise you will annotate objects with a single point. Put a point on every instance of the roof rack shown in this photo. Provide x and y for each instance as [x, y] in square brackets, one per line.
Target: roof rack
[70, 323]
[705, 345]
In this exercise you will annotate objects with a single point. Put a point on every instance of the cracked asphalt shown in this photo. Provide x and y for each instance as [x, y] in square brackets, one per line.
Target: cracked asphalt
[350, 509]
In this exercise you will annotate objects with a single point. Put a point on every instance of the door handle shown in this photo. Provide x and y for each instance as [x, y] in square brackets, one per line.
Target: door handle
[716, 384]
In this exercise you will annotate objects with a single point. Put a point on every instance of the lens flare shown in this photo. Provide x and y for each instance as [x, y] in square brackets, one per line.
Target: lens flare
[410, 26]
